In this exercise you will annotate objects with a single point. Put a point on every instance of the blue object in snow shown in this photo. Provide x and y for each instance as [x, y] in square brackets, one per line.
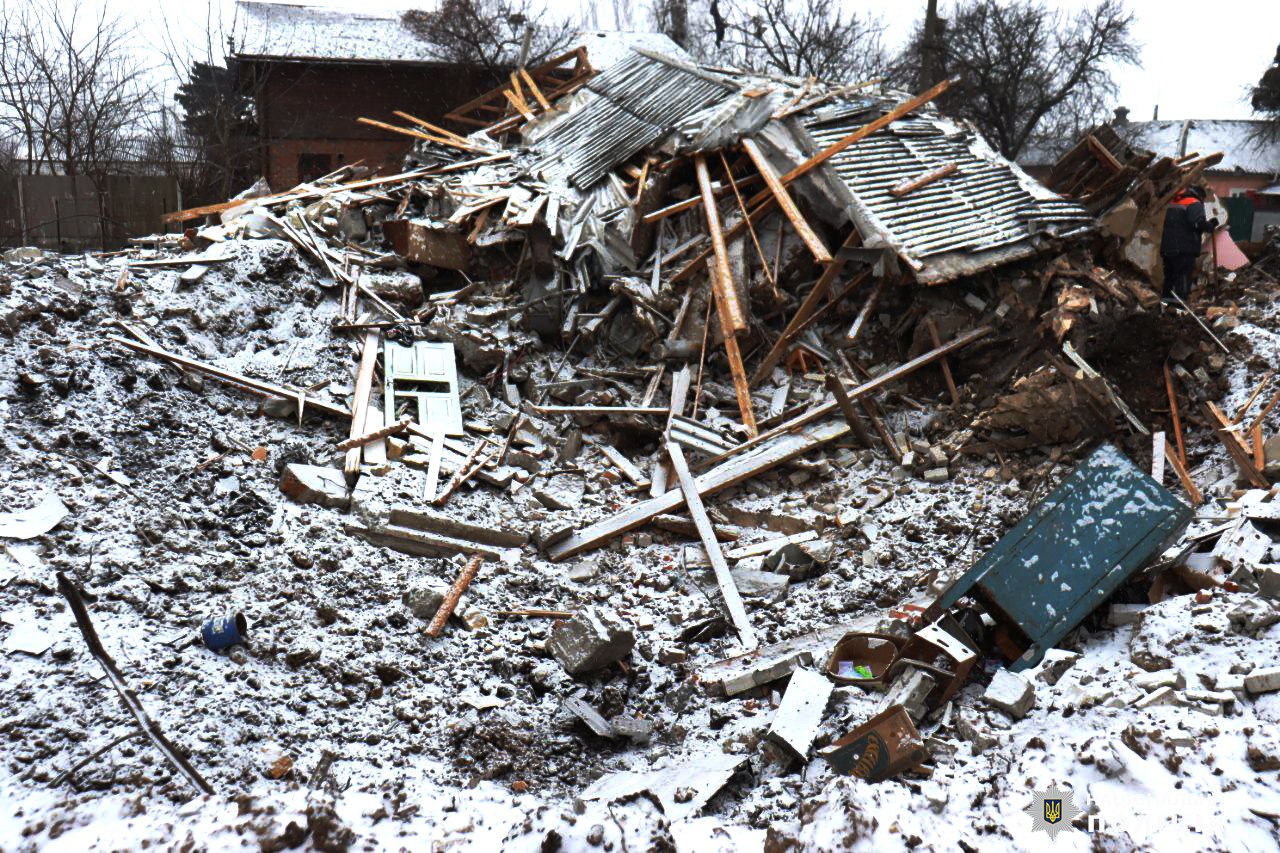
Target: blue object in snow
[222, 632]
[1072, 551]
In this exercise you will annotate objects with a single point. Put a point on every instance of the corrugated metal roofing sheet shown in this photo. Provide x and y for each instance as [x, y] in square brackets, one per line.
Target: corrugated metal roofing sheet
[984, 205]
[635, 103]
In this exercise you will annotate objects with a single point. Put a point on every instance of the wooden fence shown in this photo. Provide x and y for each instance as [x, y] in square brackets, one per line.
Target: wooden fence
[65, 213]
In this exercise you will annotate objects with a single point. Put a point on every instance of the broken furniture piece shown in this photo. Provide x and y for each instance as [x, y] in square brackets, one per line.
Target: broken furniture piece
[943, 649]
[1071, 552]
[879, 749]
[424, 377]
[423, 374]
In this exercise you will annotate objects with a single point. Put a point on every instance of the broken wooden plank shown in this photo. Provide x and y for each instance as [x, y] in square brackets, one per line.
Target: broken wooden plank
[244, 383]
[599, 410]
[741, 388]
[868, 387]
[860, 322]
[1183, 476]
[421, 543]
[1236, 447]
[1244, 410]
[1157, 456]
[455, 591]
[623, 464]
[1088, 371]
[680, 383]
[432, 478]
[810, 304]
[730, 311]
[1173, 411]
[686, 527]
[466, 472]
[768, 546]
[946, 368]
[741, 467]
[910, 185]
[434, 521]
[422, 134]
[784, 201]
[836, 387]
[360, 403]
[728, 589]
[361, 440]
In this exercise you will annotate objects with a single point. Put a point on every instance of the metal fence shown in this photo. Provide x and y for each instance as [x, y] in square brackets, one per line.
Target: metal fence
[67, 213]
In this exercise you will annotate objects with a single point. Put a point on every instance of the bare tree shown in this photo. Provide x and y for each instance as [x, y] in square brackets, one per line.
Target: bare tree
[489, 34]
[213, 148]
[671, 17]
[1265, 100]
[1024, 68]
[800, 39]
[71, 88]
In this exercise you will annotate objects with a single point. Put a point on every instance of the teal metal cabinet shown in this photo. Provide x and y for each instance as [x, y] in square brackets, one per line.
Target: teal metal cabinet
[1072, 551]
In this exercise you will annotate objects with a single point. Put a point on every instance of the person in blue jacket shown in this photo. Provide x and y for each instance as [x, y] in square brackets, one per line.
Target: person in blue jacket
[1184, 223]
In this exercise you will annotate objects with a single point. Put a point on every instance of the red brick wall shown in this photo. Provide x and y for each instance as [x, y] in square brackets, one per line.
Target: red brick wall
[312, 109]
[282, 156]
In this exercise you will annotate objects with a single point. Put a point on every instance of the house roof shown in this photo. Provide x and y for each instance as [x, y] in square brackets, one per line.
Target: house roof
[1233, 137]
[298, 32]
[988, 211]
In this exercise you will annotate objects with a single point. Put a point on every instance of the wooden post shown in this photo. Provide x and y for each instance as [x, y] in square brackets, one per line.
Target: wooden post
[360, 404]
[836, 387]
[806, 309]
[732, 599]
[456, 589]
[723, 281]
[1173, 411]
[803, 229]
[946, 368]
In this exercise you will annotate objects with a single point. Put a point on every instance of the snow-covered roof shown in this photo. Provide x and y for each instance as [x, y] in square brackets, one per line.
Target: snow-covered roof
[299, 32]
[1233, 137]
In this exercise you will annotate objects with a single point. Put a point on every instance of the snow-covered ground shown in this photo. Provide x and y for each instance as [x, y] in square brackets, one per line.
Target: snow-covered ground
[338, 673]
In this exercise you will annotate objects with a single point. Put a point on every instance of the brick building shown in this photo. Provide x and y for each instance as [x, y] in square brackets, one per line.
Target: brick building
[316, 69]
[1249, 165]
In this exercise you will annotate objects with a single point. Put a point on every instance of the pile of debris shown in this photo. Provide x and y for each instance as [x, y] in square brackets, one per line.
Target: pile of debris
[570, 328]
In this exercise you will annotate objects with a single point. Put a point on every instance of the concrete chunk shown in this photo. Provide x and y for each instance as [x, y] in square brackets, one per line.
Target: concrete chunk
[798, 717]
[315, 484]
[592, 639]
[423, 600]
[766, 586]
[910, 690]
[1011, 693]
[1163, 696]
[1263, 680]
[1163, 678]
[1124, 614]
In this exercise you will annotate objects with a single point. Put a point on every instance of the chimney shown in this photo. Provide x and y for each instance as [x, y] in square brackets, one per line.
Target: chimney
[1155, 113]
[1122, 116]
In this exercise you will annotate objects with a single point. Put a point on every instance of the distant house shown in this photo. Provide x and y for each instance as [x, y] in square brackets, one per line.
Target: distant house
[316, 69]
[1247, 166]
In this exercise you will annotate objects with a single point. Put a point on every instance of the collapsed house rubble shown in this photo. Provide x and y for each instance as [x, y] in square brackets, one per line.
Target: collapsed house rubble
[744, 460]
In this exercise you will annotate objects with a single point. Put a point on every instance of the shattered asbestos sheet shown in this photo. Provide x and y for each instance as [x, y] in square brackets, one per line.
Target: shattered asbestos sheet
[704, 422]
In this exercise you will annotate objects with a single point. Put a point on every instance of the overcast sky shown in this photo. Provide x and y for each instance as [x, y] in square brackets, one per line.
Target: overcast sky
[1198, 58]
